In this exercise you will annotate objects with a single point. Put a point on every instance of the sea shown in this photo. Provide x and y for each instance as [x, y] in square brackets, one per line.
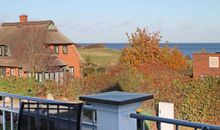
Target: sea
[186, 48]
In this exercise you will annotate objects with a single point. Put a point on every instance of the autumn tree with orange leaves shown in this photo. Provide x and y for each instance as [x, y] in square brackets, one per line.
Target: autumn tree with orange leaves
[144, 48]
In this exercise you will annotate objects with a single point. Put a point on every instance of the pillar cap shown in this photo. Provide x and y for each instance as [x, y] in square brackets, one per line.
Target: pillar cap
[116, 98]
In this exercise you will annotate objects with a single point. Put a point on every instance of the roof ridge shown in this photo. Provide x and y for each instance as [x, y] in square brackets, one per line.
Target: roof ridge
[29, 22]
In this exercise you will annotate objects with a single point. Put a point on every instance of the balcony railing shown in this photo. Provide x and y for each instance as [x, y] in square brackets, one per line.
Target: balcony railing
[107, 111]
[12, 108]
[176, 123]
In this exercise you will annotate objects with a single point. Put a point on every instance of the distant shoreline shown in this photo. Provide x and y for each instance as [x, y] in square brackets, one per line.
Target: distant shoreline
[186, 48]
[160, 43]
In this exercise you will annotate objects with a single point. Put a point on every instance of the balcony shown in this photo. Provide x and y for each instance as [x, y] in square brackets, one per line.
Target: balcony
[107, 111]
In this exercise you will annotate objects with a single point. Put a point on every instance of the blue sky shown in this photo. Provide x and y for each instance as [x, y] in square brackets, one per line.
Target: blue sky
[91, 21]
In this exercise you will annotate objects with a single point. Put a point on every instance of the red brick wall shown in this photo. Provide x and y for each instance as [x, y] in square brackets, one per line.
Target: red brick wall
[201, 65]
[72, 58]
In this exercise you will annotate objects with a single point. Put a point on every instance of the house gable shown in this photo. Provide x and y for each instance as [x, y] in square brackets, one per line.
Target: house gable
[9, 32]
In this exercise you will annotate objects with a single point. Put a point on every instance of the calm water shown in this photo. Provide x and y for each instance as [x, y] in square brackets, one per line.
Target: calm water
[186, 48]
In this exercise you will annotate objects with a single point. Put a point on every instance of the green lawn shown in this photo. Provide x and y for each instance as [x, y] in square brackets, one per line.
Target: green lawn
[100, 56]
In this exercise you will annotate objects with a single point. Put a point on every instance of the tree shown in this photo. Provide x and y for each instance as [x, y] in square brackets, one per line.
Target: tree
[144, 48]
[30, 49]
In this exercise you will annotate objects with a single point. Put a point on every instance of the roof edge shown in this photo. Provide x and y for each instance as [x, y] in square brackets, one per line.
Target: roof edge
[28, 23]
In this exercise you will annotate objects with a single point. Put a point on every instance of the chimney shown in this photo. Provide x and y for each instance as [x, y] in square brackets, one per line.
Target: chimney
[23, 18]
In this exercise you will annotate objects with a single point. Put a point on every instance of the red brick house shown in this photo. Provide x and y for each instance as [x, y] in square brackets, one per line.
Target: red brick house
[206, 64]
[65, 57]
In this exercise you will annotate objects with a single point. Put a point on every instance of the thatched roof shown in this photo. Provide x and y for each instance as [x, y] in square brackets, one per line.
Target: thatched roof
[54, 36]
[10, 32]
[9, 62]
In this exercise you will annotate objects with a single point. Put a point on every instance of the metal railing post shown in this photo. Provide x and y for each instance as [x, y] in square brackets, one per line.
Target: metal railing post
[93, 118]
[3, 115]
[29, 121]
[12, 115]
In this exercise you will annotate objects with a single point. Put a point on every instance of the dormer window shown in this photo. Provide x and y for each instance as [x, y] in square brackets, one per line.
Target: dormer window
[3, 50]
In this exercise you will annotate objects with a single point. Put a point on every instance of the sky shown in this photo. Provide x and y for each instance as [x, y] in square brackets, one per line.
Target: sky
[107, 21]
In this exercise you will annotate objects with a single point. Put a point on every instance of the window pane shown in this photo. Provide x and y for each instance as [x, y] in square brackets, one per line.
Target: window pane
[65, 49]
[40, 77]
[57, 77]
[5, 51]
[29, 75]
[56, 49]
[71, 71]
[19, 73]
[3, 72]
[46, 76]
[12, 71]
[0, 50]
[52, 76]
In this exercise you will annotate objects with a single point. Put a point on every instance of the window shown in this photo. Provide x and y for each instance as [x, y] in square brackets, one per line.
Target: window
[56, 49]
[3, 51]
[46, 75]
[3, 72]
[65, 49]
[213, 62]
[36, 76]
[40, 77]
[61, 78]
[71, 70]
[51, 76]
[19, 72]
[29, 74]
[11, 71]
[57, 77]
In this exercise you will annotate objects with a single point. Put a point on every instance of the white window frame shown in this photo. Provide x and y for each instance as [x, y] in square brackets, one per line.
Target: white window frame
[71, 70]
[213, 62]
[11, 71]
[46, 76]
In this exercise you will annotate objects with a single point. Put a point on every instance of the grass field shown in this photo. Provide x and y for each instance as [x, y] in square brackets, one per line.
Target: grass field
[100, 56]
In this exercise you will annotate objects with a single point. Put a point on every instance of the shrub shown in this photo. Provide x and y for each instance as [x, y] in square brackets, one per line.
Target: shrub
[88, 71]
[129, 79]
[71, 89]
[201, 100]
[26, 87]
[100, 70]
